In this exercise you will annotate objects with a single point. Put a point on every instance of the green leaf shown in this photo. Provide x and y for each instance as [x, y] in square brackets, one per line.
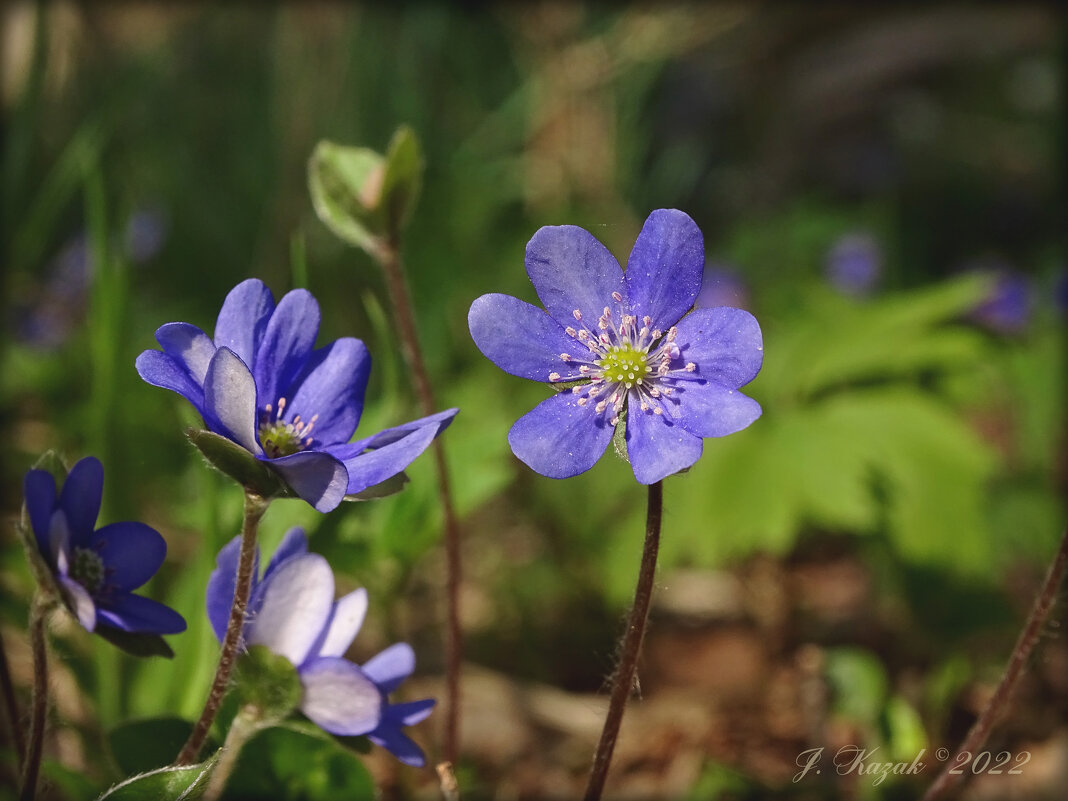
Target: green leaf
[859, 683]
[346, 186]
[284, 764]
[905, 733]
[143, 645]
[142, 745]
[403, 179]
[269, 682]
[233, 460]
[164, 784]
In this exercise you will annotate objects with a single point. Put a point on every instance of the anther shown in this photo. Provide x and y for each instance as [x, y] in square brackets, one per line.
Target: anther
[618, 298]
[554, 376]
[577, 315]
[690, 367]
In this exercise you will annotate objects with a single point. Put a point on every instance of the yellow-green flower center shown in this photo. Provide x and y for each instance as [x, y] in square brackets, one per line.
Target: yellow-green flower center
[280, 439]
[87, 568]
[624, 364]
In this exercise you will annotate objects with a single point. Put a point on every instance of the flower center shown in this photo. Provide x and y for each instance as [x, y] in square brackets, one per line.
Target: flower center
[281, 437]
[87, 568]
[624, 364]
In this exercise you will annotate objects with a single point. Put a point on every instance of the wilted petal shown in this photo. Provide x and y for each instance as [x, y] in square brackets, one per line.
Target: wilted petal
[522, 339]
[391, 666]
[658, 446]
[132, 553]
[243, 318]
[665, 268]
[296, 606]
[140, 615]
[571, 270]
[287, 344]
[558, 438]
[339, 698]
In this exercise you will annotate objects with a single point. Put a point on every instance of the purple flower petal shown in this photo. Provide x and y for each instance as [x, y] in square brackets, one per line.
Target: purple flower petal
[59, 543]
[571, 270]
[411, 712]
[132, 553]
[658, 446]
[230, 400]
[141, 615]
[80, 498]
[332, 387]
[190, 348]
[316, 476]
[296, 605]
[293, 543]
[339, 698]
[345, 621]
[243, 318]
[221, 584]
[390, 667]
[79, 602]
[708, 409]
[560, 439]
[522, 339]
[287, 344]
[724, 343]
[160, 370]
[394, 450]
[665, 268]
[390, 737]
[40, 493]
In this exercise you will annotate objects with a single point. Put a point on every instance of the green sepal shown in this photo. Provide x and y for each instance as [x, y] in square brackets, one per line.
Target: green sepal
[619, 436]
[51, 462]
[269, 683]
[164, 784]
[383, 489]
[363, 197]
[233, 460]
[143, 645]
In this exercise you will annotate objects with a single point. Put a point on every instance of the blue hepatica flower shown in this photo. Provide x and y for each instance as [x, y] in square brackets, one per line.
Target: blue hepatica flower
[262, 384]
[292, 612]
[97, 569]
[624, 338]
[855, 265]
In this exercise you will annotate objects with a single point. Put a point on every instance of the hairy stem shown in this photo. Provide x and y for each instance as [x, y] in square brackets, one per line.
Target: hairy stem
[31, 764]
[11, 707]
[631, 646]
[388, 256]
[255, 506]
[1032, 629]
[245, 725]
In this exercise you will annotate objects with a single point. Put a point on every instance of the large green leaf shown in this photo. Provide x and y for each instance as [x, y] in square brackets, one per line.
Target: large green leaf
[164, 784]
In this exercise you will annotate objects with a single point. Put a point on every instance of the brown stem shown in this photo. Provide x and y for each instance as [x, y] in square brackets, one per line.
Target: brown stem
[632, 645]
[11, 707]
[255, 506]
[980, 730]
[388, 256]
[31, 764]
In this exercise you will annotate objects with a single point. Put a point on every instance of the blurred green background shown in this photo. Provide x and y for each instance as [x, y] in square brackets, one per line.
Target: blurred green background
[883, 188]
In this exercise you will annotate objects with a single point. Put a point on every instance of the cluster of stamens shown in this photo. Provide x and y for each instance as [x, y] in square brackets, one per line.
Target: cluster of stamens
[625, 360]
[280, 437]
[87, 568]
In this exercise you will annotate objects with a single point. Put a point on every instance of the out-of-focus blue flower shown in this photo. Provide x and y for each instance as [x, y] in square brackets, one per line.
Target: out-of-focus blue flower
[1008, 307]
[1060, 291]
[624, 339]
[262, 384]
[854, 264]
[292, 612]
[145, 233]
[722, 286]
[97, 570]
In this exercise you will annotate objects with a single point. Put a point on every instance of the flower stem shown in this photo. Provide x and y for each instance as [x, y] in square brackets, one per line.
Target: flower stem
[255, 506]
[1032, 629]
[245, 725]
[11, 707]
[388, 256]
[31, 763]
[631, 646]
